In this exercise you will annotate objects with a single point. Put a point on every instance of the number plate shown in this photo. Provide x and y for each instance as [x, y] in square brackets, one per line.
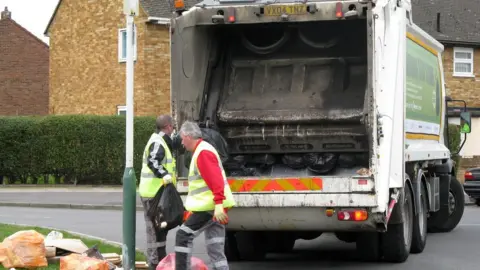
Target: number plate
[277, 10]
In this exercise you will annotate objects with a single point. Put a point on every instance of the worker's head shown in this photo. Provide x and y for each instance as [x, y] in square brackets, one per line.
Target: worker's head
[164, 124]
[190, 133]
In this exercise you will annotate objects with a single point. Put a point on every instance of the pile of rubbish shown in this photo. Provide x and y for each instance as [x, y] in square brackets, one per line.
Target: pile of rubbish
[30, 249]
[317, 163]
[256, 164]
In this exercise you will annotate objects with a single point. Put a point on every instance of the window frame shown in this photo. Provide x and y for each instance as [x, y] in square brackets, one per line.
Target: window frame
[122, 59]
[121, 108]
[467, 61]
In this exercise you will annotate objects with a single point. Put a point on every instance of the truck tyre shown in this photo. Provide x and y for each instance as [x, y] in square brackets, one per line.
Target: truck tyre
[477, 202]
[252, 245]
[231, 249]
[419, 237]
[368, 246]
[446, 221]
[396, 242]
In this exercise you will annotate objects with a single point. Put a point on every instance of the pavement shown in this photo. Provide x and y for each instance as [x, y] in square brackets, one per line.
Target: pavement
[457, 250]
[105, 198]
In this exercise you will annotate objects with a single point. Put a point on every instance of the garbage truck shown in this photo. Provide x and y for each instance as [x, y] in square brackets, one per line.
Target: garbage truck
[334, 115]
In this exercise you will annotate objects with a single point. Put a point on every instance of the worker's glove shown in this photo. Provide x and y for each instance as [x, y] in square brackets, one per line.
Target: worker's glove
[167, 179]
[220, 215]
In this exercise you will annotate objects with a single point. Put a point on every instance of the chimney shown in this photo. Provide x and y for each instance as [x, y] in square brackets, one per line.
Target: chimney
[438, 23]
[6, 14]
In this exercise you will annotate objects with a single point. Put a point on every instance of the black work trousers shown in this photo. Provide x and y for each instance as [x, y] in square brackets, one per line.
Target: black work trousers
[156, 238]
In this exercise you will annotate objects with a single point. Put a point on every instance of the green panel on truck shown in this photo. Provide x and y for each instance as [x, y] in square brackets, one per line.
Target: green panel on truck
[423, 99]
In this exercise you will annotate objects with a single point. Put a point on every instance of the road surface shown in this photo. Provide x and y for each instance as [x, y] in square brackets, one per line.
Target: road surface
[457, 250]
[78, 196]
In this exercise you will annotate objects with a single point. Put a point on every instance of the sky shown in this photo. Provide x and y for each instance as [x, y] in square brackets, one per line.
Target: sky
[33, 15]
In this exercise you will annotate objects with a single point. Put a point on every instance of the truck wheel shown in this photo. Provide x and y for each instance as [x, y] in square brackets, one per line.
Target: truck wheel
[368, 246]
[396, 242]
[419, 237]
[252, 245]
[477, 202]
[231, 249]
[446, 221]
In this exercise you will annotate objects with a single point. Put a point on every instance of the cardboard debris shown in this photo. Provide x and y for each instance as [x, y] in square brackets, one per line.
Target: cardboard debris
[141, 265]
[113, 258]
[64, 246]
[51, 252]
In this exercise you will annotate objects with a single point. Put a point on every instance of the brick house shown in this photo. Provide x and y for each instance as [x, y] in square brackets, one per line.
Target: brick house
[87, 58]
[456, 24]
[23, 70]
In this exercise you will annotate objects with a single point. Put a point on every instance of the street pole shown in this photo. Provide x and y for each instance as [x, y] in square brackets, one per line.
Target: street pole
[129, 179]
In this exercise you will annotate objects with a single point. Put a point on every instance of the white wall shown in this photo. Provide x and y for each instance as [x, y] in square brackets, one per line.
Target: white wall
[472, 145]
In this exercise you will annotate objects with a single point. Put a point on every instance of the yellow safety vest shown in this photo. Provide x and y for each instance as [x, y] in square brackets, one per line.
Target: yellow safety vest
[200, 197]
[149, 183]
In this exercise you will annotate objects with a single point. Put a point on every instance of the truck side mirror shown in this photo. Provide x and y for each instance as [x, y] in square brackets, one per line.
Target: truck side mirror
[465, 122]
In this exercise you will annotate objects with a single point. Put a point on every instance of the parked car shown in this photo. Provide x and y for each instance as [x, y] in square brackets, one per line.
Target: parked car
[472, 184]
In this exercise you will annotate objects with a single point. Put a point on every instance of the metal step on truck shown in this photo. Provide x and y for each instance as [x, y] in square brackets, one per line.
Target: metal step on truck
[334, 114]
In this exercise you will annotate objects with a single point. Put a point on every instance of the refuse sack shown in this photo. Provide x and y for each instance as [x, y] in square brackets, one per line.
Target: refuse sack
[346, 160]
[362, 159]
[263, 160]
[168, 263]
[76, 261]
[168, 212]
[93, 252]
[235, 162]
[321, 163]
[214, 138]
[294, 161]
[24, 249]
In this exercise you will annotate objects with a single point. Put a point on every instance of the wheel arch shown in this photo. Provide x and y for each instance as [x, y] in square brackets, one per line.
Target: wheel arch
[396, 217]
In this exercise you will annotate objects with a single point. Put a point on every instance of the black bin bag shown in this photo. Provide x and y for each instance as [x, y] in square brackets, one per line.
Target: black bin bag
[169, 209]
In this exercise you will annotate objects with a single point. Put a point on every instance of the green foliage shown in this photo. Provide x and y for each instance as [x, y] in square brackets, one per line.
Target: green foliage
[454, 141]
[81, 149]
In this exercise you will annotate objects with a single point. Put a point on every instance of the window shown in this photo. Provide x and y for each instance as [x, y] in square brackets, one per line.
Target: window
[122, 44]
[122, 110]
[463, 62]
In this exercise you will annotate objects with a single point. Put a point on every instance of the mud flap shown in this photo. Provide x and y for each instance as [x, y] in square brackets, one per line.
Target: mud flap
[396, 216]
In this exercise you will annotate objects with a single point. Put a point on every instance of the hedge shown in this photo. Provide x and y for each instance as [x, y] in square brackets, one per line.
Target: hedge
[81, 149]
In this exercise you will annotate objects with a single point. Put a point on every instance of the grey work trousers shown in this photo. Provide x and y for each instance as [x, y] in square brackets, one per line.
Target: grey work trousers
[156, 239]
[197, 223]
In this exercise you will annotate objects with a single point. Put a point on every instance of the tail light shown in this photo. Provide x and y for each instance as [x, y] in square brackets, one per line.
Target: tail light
[468, 176]
[338, 11]
[353, 215]
[231, 15]
[179, 4]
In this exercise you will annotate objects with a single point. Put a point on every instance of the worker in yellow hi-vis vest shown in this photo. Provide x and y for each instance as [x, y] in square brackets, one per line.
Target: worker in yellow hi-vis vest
[209, 197]
[158, 169]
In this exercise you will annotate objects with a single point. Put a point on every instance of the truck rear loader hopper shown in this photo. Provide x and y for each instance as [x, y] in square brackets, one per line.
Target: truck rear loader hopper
[293, 97]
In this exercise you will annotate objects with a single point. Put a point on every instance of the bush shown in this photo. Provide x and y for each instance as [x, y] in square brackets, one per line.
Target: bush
[83, 149]
[454, 141]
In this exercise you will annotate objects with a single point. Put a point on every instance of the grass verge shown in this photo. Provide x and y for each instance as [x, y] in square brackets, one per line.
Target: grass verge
[7, 230]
